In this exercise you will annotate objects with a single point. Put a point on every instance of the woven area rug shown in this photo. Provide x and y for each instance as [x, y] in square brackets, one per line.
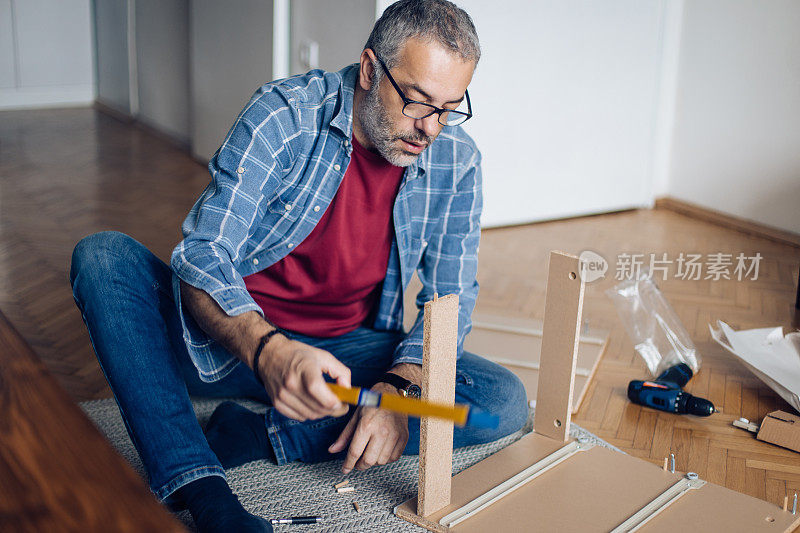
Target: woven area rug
[298, 489]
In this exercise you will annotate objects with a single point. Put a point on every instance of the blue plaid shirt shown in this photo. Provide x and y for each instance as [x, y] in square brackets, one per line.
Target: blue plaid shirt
[272, 180]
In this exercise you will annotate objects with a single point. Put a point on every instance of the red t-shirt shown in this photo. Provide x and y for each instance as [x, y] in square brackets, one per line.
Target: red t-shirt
[329, 283]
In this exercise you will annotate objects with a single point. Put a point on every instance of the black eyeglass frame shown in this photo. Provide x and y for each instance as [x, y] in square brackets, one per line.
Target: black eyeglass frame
[433, 108]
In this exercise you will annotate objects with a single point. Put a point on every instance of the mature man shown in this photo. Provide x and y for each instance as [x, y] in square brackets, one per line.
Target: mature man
[328, 192]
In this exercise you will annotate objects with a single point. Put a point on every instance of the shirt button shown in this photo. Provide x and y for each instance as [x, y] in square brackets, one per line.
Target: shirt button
[337, 168]
[346, 142]
[255, 261]
[240, 170]
[289, 245]
[316, 208]
[288, 207]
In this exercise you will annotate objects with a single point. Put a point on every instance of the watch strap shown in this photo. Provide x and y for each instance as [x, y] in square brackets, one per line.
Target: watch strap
[395, 381]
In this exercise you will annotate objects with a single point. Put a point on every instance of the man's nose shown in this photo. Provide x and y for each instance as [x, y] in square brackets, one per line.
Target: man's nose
[430, 125]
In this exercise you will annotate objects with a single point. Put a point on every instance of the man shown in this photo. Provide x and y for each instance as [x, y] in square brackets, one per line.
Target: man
[328, 192]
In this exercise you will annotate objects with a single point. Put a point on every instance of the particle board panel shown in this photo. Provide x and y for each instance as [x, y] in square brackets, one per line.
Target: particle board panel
[516, 344]
[594, 490]
[716, 508]
[472, 482]
[560, 334]
[439, 349]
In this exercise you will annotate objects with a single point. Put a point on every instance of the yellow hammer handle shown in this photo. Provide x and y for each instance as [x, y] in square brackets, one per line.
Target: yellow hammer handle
[400, 404]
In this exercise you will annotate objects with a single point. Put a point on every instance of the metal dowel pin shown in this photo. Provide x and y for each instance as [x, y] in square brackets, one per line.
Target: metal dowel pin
[794, 504]
[672, 463]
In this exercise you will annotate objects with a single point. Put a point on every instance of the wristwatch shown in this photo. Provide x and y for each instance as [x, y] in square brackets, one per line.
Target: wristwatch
[405, 387]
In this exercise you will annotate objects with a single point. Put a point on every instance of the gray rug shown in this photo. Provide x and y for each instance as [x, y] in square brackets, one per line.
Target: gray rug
[307, 489]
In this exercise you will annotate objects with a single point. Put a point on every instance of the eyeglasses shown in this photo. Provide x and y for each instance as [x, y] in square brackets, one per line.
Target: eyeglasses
[417, 110]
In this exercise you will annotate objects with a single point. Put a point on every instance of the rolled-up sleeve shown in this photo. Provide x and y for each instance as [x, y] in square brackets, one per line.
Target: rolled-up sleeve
[449, 263]
[245, 173]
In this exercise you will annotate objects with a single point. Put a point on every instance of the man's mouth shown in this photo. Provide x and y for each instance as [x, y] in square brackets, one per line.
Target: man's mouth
[412, 147]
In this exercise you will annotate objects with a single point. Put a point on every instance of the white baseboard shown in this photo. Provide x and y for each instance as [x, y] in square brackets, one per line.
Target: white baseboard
[42, 97]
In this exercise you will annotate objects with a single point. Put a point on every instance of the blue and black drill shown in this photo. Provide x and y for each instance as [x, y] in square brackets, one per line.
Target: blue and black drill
[666, 393]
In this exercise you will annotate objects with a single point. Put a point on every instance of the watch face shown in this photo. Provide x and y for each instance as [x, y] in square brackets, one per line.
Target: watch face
[414, 391]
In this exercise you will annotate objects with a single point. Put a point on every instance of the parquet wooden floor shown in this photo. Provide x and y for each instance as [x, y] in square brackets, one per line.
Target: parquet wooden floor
[67, 173]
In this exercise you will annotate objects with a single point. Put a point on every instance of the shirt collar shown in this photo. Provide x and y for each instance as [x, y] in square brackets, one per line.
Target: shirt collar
[343, 118]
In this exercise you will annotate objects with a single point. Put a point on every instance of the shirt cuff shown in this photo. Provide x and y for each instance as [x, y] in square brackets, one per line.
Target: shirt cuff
[233, 299]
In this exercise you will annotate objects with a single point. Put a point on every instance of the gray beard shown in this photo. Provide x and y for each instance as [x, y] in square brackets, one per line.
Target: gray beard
[378, 127]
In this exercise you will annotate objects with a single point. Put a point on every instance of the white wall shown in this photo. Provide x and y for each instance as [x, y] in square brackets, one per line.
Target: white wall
[322, 22]
[736, 139]
[231, 56]
[618, 102]
[162, 60]
[115, 70]
[187, 67]
[45, 53]
[564, 100]
[582, 106]
[8, 56]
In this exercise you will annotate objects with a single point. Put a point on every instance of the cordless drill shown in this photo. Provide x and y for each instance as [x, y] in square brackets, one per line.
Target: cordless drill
[665, 393]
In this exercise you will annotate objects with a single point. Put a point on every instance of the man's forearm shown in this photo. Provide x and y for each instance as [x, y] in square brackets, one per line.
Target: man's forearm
[240, 334]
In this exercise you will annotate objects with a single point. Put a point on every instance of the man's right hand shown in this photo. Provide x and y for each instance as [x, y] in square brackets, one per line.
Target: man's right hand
[292, 371]
[293, 377]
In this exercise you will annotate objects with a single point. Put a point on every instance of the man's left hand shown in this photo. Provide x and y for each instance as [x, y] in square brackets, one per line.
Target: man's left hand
[376, 436]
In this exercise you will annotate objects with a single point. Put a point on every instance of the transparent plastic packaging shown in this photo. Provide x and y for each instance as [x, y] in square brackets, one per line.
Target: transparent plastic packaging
[657, 333]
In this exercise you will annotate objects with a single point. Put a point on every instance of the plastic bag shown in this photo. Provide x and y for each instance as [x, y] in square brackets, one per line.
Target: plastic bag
[657, 333]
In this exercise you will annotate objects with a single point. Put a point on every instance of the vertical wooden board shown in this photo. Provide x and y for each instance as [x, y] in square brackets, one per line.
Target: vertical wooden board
[560, 335]
[440, 339]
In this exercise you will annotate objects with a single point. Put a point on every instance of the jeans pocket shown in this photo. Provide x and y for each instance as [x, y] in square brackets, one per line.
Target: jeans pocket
[463, 378]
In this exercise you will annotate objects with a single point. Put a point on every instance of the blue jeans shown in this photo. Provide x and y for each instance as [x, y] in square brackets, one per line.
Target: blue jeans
[125, 297]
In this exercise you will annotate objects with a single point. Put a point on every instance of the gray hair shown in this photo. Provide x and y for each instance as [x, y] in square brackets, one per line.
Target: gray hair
[436, 21]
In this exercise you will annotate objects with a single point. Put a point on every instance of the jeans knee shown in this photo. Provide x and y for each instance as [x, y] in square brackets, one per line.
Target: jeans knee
[513, 408]
[91, 252]
[500, 392]
[97, 256]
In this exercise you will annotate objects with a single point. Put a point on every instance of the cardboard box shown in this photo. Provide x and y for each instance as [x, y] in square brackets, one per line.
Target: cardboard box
[781, 428]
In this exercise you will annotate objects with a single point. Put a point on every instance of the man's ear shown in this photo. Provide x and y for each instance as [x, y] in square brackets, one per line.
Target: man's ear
[366, 70]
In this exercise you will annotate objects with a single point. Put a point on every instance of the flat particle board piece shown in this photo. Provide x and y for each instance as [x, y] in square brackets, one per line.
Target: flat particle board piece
[560, 334]
[439, 350]
[781, 428]
[516, 344]
[593, 491]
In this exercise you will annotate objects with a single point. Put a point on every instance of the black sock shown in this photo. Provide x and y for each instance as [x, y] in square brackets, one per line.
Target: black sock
[238, 435]
[215, 509]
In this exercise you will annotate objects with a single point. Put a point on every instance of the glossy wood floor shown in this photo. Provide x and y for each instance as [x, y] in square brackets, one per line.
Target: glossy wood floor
[67, 173]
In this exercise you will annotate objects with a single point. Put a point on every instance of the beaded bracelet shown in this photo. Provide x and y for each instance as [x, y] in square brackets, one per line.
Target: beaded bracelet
[264, 340]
